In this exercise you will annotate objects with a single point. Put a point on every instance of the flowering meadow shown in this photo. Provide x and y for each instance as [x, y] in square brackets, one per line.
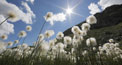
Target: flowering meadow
[63, 50]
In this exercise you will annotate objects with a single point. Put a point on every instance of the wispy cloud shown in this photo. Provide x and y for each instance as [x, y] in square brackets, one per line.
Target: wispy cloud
[6, 8]
[102, 4]
[29, 14]
[93, 8]
[9, 8]
[106, 3]
[57, 17]
[31, 1]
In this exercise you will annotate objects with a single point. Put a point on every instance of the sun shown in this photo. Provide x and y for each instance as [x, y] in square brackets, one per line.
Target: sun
[69, 11]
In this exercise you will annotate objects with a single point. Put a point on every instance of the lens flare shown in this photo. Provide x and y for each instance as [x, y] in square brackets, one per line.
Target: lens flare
[69, 11]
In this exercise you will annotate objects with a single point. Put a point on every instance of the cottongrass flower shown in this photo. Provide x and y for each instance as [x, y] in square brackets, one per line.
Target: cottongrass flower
[81, 33]
[72, 50]
[28, 28]
[2, 46]
[85, 26]
[44, 47]
[94, 48]
[4, 37]
[111, 49]
[111, 40]
[41, 37]
[24, 46]
[48, 16]
[51, 43]
[22, 34]
[19, 46]
[60, 35]
[55, 40]
[10, 43]
[67, 40]
[16, 41]
[81, 38]
[91, 42]
[85, 53]
[60, 46]
[116, 44]
[106, 46]
[100, 47]
[75, 29]
[12, 16]
[77, 39]
[91, 19]
[49, 33]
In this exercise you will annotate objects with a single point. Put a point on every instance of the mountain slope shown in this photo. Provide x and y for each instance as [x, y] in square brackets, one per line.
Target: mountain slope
[109, 25]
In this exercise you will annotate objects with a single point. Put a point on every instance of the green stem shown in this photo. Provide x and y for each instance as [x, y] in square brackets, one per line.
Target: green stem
[4, 21]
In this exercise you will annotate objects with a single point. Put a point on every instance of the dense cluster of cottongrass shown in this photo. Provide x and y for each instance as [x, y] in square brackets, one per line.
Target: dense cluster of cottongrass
[63, 50]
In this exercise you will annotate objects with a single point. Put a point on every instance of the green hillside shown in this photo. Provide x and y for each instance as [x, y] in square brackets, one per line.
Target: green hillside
[104, 34]
[109, 25]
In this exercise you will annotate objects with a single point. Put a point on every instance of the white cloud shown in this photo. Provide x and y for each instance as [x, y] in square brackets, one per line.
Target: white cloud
[32, 1]
[93, 8]
[103, 4]
[106, 3]
[57, 17]
[5, 28]
[29, 14]
[7, 8]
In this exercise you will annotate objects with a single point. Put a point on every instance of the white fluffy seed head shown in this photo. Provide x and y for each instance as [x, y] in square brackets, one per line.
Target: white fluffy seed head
[2, 46]
[91, 42]
[85, 26]
[10, 43]
[41, 37]
[77, 39]
[106, 46]
[60, 45]
[24, 46]
[4, 37]
[85, 53]
[81, 33]
[91, 19]
[81, 38]
[94, 48]
[67, 40]
[49, 33]
[75, 29]
[28, 28]
[12, 16]
[48, 16]
[111, 40]
[116, 44]
[44, 47]
[60, 35]
[19, 46]
[22, 34]
[16, 41]
[51, 43]
[55, 40]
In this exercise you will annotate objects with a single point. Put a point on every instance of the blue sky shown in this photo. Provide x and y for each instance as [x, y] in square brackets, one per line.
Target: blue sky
[41, 7]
